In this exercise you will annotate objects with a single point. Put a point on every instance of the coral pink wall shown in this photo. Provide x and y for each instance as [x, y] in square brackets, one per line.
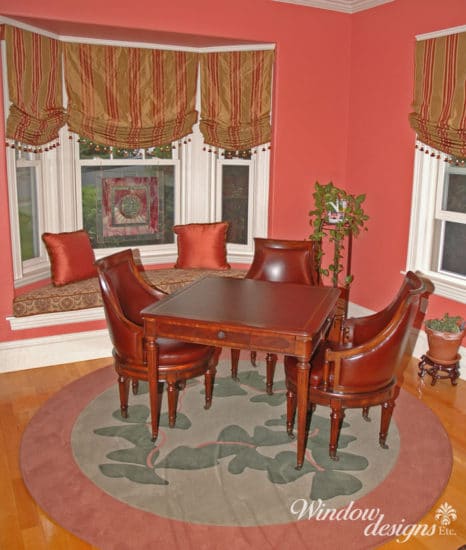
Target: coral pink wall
[311, 91]
[381, 142]
[341, 99]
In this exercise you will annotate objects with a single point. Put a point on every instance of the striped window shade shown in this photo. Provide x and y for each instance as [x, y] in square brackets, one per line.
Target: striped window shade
[35, 87]
[130, 97]
[236, 98]
[439, 105]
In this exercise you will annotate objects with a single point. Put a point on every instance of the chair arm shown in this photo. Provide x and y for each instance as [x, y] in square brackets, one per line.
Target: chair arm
[356, 330]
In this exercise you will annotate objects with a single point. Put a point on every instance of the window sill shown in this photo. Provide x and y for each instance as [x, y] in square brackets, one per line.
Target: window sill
[447, 287]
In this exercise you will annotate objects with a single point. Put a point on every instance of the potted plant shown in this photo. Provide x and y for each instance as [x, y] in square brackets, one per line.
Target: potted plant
[444, 336]
[336, 215]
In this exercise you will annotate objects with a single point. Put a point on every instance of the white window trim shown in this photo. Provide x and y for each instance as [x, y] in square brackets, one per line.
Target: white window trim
[429, 173]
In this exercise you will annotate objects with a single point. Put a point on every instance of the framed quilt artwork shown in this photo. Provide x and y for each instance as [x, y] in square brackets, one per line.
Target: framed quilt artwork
[129, 206]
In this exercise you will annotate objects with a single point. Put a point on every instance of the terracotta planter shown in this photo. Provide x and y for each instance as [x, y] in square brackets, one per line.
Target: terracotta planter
[443, 346]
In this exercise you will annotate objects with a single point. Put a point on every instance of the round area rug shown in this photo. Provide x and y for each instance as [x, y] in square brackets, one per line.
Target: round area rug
[227, 474]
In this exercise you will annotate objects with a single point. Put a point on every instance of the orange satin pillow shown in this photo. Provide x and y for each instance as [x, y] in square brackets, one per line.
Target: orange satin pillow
[202, 245]
[71, 256]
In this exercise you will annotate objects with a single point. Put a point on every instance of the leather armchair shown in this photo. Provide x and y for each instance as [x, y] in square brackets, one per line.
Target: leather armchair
[367, 371]
[125, 293]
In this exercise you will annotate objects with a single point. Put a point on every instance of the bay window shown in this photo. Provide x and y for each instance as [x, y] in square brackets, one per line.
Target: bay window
[132, 197]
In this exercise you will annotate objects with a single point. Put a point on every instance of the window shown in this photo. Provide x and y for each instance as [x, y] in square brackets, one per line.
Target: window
[83, 185]
[127, 196]
[63, 190]
[32, 191]
[438, 221]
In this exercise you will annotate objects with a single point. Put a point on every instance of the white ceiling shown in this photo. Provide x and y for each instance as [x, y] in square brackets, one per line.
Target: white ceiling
[346, 6]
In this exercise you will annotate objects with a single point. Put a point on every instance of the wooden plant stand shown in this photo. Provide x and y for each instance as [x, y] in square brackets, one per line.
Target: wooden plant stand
[431, 366]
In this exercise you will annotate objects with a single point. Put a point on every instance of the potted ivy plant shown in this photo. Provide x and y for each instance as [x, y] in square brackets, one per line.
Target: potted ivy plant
[444, 336]
[336, 215]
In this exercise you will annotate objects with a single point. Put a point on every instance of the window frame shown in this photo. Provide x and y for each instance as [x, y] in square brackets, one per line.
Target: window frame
[429, 180]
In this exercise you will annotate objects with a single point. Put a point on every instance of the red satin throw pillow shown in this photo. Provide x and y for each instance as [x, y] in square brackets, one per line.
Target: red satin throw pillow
[71, 256]
[202, 245]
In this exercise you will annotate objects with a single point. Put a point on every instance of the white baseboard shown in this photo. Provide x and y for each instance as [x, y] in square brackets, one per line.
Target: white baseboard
[54, 350]
[82, 346]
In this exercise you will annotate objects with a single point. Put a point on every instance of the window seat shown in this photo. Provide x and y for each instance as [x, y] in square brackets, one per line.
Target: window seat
[86, 294]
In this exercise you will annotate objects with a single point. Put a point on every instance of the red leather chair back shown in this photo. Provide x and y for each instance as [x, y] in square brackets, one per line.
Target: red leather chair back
[375, 363]
[124, 294]
[284, 261]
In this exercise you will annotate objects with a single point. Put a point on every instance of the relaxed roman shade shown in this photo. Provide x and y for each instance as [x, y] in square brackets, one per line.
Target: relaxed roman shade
[35, 87]
[439, 104]
[130, 97]
[236, 98]
[135, 97]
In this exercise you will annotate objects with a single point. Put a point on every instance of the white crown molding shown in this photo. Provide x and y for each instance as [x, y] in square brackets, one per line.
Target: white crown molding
[444, 32]
[345, 6]
[132, 44]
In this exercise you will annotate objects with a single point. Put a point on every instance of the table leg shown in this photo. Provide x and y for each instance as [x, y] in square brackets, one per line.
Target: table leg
[152, 356]
[302, 395]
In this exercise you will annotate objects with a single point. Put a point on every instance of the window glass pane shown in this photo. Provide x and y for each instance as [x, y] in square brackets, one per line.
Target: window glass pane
[454, 249]
[90, 150]
[454, 193]
[128, 205]
[27, 212]
[235, 194]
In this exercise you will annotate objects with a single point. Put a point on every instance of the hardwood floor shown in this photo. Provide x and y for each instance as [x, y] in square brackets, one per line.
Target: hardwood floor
[23, 525]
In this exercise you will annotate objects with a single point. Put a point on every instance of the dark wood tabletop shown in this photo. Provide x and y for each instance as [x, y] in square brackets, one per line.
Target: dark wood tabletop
[249, 314]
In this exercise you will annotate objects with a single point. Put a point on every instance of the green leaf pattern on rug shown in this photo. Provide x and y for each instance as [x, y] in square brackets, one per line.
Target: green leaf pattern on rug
[140, 462]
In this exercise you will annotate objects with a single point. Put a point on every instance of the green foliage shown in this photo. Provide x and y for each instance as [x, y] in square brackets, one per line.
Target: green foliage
[349, 218]
[89, 208]
[26, 232]
[447, 323]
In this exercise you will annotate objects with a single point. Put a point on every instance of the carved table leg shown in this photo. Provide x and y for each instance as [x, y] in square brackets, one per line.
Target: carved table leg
[152, 355]
[302, 394]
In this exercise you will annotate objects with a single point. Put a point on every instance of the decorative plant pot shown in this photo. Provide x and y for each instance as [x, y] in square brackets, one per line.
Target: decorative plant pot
[335, 217]
[443, 345]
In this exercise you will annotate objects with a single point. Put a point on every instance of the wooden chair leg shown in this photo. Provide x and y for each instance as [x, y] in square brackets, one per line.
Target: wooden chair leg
[209, 380]
[234, 363]
[254, 358]
[135, 386]
[336, 418]
[365, 414]
[271, 361]
[172, 393]
[387, 411]
[290, 411]
[123, 388]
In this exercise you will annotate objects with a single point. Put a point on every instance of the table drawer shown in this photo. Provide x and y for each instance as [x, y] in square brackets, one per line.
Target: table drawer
[208, 334]
[278, 344]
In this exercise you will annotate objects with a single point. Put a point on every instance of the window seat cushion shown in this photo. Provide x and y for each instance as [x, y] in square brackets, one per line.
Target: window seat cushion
[86, 294]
